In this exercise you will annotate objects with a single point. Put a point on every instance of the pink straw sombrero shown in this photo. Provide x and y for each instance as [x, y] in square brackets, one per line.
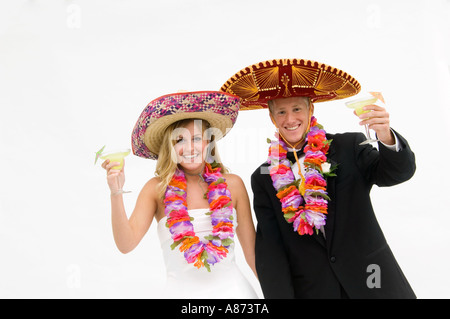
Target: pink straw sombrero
[273, 79]
[220, 109]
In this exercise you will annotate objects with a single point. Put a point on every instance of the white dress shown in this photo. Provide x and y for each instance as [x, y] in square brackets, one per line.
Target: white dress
[186, 281]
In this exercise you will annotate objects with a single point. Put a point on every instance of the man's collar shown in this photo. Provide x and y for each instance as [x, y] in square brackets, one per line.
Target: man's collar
[290, 154]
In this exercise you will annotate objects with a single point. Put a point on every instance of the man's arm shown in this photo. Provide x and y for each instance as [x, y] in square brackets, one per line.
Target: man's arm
[386, 167]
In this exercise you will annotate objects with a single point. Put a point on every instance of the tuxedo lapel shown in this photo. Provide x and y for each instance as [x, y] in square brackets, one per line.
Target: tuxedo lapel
[329, 226]
[320, 238]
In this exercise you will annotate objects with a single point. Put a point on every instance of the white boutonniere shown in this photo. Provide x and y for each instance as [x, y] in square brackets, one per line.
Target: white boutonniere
[328, 170]
[326, 167]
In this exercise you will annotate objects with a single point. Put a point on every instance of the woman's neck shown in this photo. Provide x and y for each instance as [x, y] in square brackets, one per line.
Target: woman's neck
[193, 175]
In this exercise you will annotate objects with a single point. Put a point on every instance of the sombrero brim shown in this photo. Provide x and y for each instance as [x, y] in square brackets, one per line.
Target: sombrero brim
[273, 79]
[219, 109]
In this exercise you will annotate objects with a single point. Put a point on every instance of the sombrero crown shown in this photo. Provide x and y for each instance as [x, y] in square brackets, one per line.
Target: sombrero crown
[273, 79]
[218, 108]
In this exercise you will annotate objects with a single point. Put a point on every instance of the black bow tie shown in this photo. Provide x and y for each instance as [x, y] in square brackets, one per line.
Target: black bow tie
[290, 155]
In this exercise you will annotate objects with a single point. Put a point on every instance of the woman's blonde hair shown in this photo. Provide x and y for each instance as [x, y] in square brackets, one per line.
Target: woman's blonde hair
[167, 159]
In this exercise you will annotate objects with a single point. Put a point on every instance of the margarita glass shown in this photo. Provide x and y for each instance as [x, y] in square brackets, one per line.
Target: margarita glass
[358, 105]
[117, 156]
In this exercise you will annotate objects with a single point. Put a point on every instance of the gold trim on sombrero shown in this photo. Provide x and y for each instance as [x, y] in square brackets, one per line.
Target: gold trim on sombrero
[271, 79]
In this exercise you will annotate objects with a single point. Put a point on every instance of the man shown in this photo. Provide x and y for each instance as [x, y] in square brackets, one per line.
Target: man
[323, 241]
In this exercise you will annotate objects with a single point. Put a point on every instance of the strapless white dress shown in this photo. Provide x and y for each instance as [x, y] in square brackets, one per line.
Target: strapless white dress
[186, 281]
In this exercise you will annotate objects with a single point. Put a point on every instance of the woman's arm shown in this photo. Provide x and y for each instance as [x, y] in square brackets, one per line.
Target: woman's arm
[129, 232]
[245, 228]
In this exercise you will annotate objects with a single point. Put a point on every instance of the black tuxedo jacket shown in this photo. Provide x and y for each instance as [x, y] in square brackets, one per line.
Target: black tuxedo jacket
[354, 254]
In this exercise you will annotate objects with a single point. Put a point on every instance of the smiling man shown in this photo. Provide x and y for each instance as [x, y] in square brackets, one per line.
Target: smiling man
[317, 233]
[291, 116]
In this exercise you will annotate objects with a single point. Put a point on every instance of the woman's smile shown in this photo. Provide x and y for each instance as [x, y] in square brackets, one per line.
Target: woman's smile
[190, 157]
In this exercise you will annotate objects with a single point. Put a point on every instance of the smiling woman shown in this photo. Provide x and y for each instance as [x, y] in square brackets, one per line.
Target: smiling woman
[189, 142]
[197, 204]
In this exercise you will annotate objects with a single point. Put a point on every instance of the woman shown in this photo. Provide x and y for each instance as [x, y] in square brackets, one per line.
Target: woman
[197, 204]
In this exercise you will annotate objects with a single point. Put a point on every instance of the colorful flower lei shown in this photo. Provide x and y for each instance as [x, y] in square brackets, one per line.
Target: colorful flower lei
[304, 202]
[179, 222]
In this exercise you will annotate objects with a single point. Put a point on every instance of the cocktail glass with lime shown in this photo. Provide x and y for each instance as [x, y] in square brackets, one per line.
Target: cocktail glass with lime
[116, 156]
[358, 106]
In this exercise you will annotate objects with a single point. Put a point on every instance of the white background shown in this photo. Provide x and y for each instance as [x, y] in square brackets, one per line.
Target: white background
[75, 75]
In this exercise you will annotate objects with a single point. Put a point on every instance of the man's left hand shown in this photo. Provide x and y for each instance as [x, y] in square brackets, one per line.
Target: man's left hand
[378, 120]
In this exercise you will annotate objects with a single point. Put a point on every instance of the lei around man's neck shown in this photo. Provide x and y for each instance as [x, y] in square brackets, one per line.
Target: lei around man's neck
[304, 201]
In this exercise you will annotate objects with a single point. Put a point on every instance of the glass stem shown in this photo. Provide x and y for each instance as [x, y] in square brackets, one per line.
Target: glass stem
[119, 189]
[368, 132]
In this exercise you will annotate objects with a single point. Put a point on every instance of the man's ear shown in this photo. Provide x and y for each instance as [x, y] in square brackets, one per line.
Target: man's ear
[271, 118]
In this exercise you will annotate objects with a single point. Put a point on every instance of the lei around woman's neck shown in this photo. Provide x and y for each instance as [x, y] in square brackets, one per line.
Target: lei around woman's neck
[214, 247]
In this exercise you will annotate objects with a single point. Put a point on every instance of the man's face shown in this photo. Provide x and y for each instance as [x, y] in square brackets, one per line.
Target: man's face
[291, 116]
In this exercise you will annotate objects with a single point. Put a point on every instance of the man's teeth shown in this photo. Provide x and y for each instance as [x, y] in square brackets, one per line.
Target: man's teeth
[292, 128]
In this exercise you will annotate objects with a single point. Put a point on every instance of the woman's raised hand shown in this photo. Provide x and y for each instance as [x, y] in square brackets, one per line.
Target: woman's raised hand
[115, 177]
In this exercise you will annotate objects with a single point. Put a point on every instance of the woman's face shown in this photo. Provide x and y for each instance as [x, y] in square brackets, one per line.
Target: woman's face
[190, 146]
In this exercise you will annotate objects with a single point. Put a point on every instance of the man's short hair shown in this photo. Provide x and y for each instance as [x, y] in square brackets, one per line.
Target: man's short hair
[270, 103]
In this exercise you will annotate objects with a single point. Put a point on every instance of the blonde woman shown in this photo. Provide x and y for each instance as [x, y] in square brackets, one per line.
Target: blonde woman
[198, 205]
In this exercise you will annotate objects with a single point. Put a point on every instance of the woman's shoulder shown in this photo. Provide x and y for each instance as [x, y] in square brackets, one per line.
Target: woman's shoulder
[232, 178]
[154, 181]
[234, 182]
[152, 185]
[236, 186]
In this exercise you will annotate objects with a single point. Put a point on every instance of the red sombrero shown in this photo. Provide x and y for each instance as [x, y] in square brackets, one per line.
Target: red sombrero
[273, 79]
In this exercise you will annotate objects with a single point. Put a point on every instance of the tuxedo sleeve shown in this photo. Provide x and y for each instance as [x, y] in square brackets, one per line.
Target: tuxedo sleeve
[385, 167]
[272, 264]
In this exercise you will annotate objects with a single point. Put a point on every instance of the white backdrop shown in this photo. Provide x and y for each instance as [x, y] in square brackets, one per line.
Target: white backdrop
[75, 75]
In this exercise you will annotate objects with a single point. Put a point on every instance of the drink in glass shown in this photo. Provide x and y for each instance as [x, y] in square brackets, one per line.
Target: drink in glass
[358, 106]
[116, 156]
